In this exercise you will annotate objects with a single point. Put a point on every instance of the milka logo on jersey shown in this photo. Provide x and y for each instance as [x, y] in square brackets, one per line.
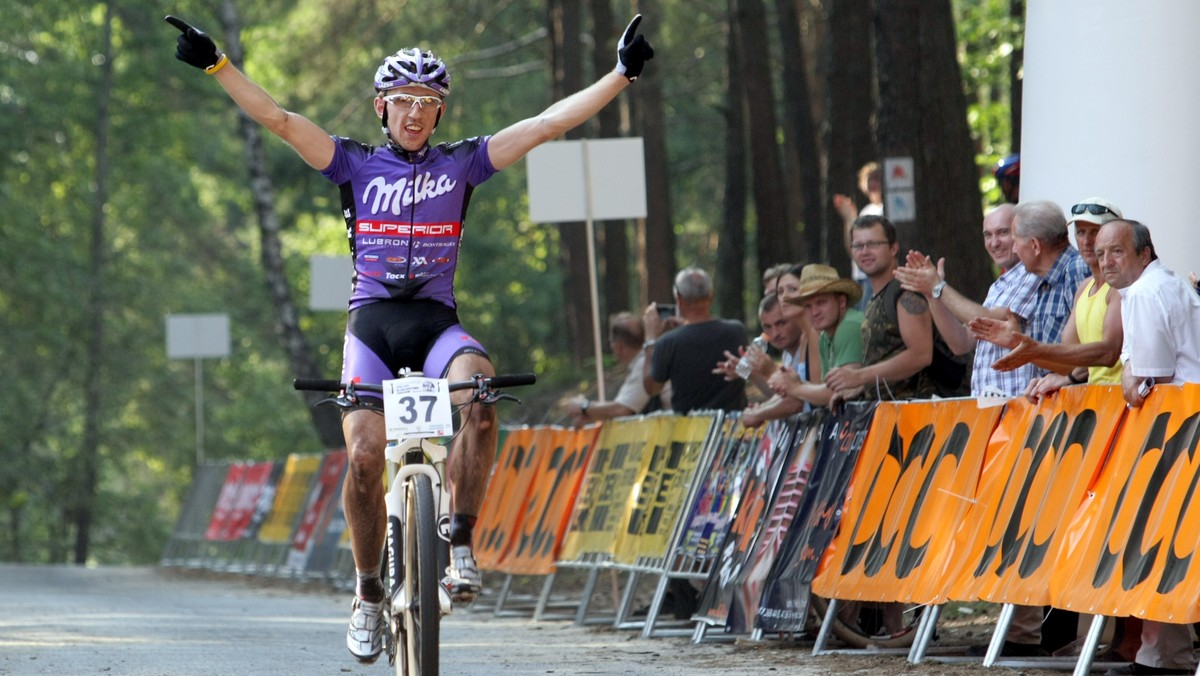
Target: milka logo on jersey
[407, 229]
[395, 196]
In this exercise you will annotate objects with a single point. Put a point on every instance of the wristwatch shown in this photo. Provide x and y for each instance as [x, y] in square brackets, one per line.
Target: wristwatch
[583, 408]
[937, 289]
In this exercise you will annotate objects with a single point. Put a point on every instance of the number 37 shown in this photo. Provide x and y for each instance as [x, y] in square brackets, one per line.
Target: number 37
[409, 413]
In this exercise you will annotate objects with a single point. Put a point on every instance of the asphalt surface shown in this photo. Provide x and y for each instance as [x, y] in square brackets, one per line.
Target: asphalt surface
[146, 621]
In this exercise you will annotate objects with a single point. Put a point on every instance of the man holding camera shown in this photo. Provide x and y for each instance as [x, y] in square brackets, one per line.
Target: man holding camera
[685, 356]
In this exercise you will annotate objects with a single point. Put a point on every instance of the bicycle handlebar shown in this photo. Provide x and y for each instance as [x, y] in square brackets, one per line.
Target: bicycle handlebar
[493, 383]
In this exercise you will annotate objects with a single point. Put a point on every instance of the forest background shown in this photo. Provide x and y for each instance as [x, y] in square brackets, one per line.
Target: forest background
[131, 190]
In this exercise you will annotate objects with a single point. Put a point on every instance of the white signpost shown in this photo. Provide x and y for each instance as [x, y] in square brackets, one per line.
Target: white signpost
[198, 337]
[601, 179]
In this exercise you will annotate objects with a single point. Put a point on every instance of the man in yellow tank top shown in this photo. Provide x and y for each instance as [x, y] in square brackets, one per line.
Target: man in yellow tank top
[1091, 342]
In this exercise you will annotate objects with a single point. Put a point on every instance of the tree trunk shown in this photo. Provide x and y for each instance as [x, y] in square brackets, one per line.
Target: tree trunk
[731, 254]
[88, 465]
[614, 263]
[773, 223]
[326, 419]
[849, 69]
[567, 58]
[800, 135]
[923, 115]
[657, 236]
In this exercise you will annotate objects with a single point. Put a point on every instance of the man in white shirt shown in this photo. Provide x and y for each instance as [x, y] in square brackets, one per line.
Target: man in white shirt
[1165, 348]
[625, 338]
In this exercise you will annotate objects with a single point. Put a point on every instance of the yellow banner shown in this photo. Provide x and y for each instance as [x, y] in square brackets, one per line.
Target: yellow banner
[602, 508]
[290, 494]
[662, 484]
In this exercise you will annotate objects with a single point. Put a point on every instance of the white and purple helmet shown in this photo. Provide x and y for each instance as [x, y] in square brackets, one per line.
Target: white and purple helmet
[413, 67]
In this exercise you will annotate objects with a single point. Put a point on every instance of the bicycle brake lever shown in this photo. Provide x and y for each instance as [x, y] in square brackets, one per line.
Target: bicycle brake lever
[493, 397]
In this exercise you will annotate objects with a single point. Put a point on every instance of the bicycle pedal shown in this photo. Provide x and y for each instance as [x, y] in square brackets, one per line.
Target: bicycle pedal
[445, 603]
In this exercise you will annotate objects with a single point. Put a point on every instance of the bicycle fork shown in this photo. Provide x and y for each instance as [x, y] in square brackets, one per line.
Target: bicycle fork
[401, 466]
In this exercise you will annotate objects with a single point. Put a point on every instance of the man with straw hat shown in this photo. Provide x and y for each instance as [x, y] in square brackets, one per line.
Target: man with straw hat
[829, 300]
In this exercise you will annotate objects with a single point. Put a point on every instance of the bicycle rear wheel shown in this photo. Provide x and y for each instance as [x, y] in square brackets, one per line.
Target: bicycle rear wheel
[421, 612]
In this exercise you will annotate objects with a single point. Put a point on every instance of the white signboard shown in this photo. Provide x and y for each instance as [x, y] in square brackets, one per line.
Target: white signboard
[560, 179]
[330, 281]
[417, 408]
[197, 336]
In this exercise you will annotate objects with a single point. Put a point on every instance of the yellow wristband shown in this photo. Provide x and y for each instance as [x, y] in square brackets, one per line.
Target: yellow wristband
[212, 70]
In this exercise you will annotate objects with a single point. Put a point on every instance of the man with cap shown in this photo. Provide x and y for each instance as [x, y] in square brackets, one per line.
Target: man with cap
[829, 300]
[1091, 339]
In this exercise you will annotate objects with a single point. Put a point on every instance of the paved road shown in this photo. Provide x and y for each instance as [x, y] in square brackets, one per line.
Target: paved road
[144, 621]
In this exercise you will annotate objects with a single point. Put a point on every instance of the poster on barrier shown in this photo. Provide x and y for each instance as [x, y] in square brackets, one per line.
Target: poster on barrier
[1130, 549]
[784, 602]
[660, 488]
[254, 482]
[539, 539]
[1041, 460]
[719, 485]
[327, 534]
[289, 498]
[506, 490]
[917, 473]
[262, 506]
[749, 505]
[790, 485]
[602, 509]
[218, 524]
[327, 481]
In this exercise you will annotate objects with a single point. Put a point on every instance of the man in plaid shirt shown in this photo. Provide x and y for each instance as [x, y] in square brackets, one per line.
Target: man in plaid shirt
[1015, 292]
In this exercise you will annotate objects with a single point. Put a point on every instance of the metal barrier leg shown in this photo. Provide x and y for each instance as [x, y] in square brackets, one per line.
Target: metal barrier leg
[624, 609]
[544, 598]
[588, 588]
[503, 595]
[997, 643]
[660, 593]
[925, 632]
[1095, 631]
[826, 627]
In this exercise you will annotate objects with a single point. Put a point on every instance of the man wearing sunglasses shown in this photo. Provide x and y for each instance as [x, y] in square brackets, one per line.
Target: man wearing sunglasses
[1091, 340]
[404, 203]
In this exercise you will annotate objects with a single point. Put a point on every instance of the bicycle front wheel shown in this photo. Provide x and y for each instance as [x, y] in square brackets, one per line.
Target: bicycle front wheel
[422, 610]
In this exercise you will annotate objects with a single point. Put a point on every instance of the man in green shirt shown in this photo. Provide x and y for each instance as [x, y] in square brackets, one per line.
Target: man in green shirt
[829, 301]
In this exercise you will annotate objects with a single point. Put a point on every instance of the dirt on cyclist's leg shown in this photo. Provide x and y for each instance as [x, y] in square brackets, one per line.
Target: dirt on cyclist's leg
[362, 493]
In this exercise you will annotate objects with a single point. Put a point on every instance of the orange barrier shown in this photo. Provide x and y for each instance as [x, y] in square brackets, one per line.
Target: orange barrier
[508, 486]
[1041, 461]
[1130, 549]
[914, 481]
[561, 461]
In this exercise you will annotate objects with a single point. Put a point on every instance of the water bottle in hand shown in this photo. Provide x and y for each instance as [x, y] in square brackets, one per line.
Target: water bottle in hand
[744, 368]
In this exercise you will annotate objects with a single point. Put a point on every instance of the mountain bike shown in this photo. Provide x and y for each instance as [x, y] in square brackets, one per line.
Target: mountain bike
[417, 502]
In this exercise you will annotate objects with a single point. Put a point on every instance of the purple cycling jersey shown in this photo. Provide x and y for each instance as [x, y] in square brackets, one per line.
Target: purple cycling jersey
[404, 215]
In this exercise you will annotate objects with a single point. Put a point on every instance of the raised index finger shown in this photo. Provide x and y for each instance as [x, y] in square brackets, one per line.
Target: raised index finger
[631, 30]
[178, 23]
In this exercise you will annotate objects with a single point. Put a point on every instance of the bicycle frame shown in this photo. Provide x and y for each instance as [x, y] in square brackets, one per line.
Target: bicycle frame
[404, 460]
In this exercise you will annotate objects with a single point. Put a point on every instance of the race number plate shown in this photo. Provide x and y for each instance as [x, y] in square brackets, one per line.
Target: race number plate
[417, 408]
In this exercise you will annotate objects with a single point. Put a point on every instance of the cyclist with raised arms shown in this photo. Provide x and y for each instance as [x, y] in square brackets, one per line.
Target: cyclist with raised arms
[404, 204]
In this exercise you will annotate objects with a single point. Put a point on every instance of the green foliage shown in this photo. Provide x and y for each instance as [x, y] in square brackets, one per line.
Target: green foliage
[989, 38]
[181, 234]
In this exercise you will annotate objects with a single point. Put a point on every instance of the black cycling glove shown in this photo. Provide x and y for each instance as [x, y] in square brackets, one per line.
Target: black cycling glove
[633, 51]
[195, 47]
